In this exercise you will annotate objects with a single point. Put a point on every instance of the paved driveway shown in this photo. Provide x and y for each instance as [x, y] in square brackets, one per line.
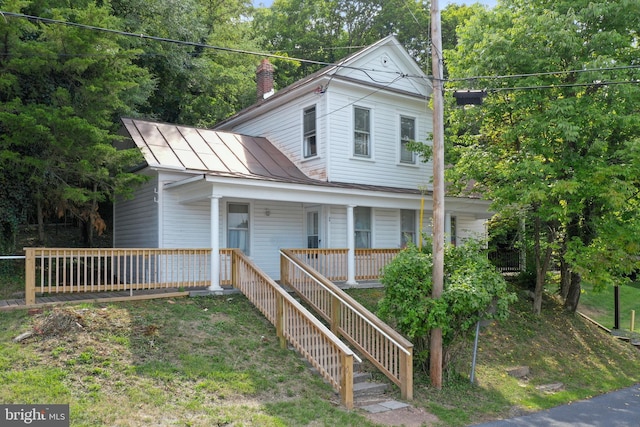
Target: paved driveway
[616, 409]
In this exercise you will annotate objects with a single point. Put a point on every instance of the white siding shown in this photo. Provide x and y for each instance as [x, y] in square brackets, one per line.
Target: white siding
[135, 221]
[283, 127]
[282, 228]
[386, 228]
[337, 227]
[469, 227]
[383, 167]
[185, 225]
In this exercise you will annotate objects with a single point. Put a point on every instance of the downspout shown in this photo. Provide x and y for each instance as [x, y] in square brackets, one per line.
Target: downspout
[351, 245]
[447, 227]
[215, 287]
[158, 200]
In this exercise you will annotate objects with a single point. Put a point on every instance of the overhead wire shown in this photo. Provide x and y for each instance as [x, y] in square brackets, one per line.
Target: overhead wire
[6, 14]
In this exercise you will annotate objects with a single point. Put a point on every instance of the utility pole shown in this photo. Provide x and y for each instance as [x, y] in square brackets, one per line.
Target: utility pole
[435, 356]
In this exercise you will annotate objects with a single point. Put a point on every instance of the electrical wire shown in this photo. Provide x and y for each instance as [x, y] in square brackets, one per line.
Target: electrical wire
[188, 43]
[546, 73]
[338, 65]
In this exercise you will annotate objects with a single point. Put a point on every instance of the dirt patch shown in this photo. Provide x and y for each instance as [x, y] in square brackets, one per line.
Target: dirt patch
[408, 417]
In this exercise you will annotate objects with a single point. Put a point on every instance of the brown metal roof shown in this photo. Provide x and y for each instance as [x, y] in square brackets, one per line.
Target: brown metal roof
[223, 153]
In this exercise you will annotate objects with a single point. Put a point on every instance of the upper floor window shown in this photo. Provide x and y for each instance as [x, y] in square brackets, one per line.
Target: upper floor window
[362, 226]
[310, 148]
[407, 133]
[362, 132]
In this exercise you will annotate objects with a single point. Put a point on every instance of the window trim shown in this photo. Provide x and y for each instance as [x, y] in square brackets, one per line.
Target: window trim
[306, 134]
[369, 230]
[249, 223]
[413, 231]
[403, 141]
[368, 132]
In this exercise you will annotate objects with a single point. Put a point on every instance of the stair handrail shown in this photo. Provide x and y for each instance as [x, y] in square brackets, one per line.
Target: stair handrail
[258, 287]
[403, 377]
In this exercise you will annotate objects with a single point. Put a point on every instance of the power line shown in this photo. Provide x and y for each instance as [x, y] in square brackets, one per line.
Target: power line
[540, 74]
[188, 43]
[557, 86]
[339, 65]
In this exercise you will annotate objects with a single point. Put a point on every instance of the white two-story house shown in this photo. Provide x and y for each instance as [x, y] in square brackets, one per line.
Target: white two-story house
[321, 163]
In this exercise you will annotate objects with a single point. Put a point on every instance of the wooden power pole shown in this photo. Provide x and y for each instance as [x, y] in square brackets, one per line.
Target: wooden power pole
[435, 356]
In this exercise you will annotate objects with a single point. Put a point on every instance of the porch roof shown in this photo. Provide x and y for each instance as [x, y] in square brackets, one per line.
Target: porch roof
[214, 152]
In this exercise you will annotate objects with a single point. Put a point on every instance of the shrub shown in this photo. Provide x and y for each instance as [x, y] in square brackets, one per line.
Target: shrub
[473, 290]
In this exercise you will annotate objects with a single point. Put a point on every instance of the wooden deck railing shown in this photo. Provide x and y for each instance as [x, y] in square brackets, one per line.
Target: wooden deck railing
[295, 324]
[332, 263]
[389, 351]
[72, 270]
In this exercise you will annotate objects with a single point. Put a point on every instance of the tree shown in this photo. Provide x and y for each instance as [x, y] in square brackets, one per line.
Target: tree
[473, 290]
[327, 31]
[561, 152]
[195, 85]
[62, 91]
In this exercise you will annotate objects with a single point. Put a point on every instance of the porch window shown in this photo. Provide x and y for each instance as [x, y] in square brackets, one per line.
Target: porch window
[310, 148]
[407, 134]
[313, 230]
[362, 227]
[362, 132]
[407, 227]
[454, 231]
[238, 226]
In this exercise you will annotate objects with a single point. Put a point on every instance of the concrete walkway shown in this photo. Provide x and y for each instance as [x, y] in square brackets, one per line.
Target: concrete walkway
[615, 409]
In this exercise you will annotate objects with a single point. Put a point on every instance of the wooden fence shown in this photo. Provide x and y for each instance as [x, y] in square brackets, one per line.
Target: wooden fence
[389, 351]
[332, 263]
[67, 270]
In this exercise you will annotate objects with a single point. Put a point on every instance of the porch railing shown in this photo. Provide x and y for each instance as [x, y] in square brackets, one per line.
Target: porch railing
[332, 263]
[389, 351]
[73, 270]
[330, 356]
[64, 270]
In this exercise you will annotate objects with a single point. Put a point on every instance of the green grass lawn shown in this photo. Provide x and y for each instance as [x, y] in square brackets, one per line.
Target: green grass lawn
[599, 305]
[216, 361]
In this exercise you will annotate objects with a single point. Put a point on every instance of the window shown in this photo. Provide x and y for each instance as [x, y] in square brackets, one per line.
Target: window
[362, 227]
[313, 230]
[238, 226]
[407, 133]
[310, 148]
[454, 231]
[362, 132]
[407, 227]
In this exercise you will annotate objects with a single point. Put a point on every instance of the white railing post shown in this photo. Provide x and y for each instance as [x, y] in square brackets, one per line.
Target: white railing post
[351, 245]
[215, 245]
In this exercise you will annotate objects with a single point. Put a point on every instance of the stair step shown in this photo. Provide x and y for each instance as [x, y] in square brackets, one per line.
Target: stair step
[368, 389]
[361, 377]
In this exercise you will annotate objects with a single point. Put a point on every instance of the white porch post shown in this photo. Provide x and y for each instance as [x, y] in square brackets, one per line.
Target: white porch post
[215, 245]
[447, 226]
[351, 245]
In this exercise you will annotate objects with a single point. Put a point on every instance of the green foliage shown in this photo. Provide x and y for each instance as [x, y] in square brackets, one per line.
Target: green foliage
[562, 154]
[473, 290]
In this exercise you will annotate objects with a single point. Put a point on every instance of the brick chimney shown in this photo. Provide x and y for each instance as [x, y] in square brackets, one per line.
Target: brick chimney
[264, 79]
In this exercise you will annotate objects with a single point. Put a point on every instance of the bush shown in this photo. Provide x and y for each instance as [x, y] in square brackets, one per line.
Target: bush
[473, 290]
